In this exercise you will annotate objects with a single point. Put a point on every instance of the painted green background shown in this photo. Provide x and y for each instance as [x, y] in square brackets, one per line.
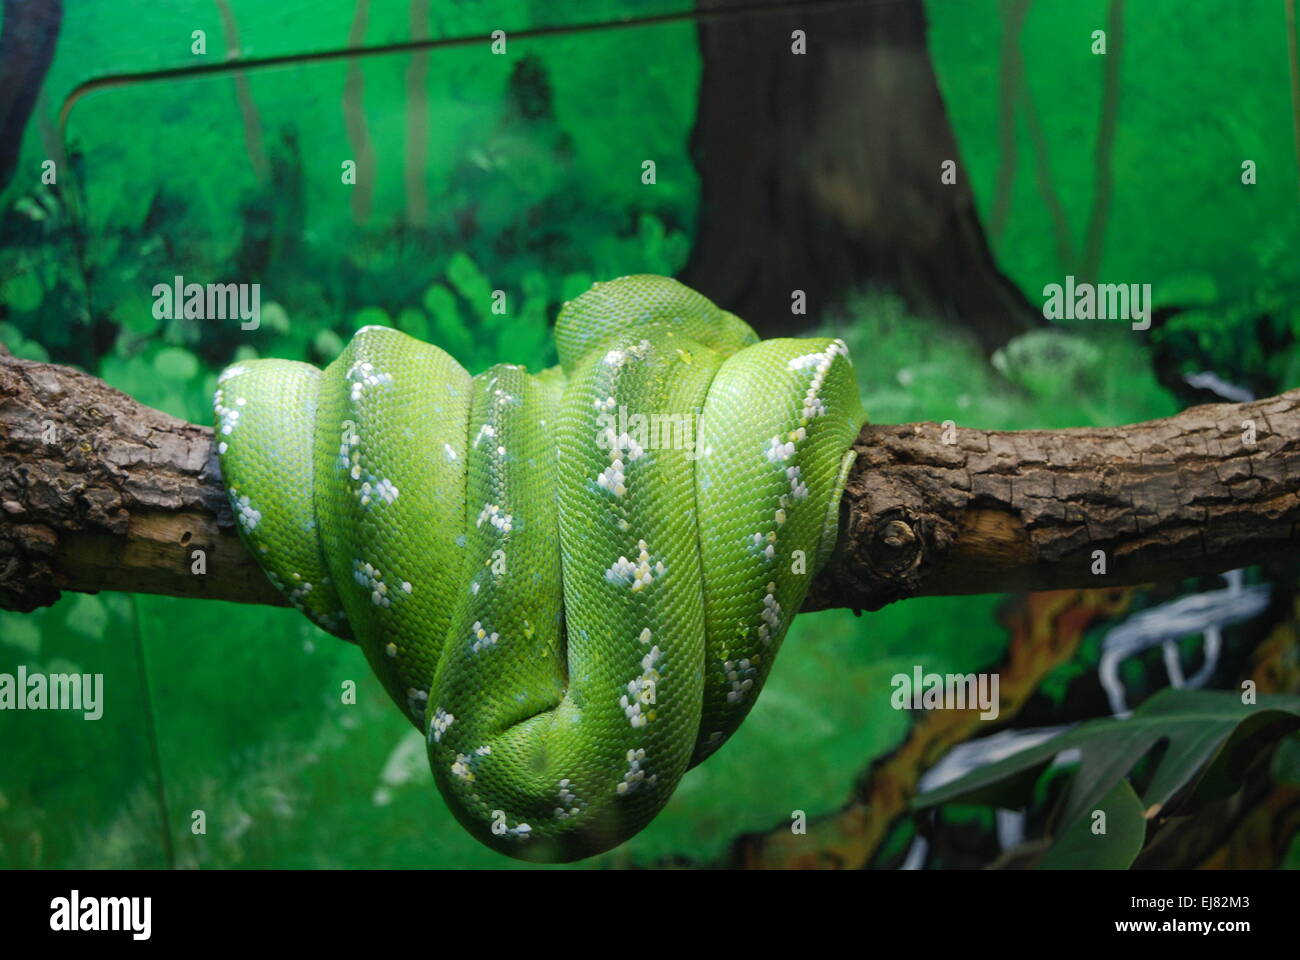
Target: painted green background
[531, 163]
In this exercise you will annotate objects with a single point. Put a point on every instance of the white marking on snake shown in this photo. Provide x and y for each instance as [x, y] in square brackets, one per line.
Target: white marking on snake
[798, 489]
[373, 487]
[740, 674]
[460, 768]
[247, 515]
[568, 799]
[771, 614]
[441, 721]
[634, 778]
[362, 376]
[491, 512]
[480, 638]
[638, 575]
[227, 417]
[778, 452]
[632, 700]
[417, 701]
[612, 479]
[371, 580]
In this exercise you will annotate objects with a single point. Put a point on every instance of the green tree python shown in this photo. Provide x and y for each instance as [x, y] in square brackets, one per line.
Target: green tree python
[574, 582]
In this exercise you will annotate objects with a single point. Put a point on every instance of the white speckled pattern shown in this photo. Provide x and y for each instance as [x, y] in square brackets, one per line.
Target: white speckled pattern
[681, 474]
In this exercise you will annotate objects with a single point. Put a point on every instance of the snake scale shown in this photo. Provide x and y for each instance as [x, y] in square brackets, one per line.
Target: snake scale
[575, 582]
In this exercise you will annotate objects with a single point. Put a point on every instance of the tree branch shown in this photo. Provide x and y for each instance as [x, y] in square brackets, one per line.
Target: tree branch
[98, 492]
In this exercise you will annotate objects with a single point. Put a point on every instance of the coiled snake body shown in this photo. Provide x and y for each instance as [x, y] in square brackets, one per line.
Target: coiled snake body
[575, 582]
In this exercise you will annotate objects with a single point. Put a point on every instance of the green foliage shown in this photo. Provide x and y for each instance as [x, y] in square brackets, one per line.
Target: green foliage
[22, 291]
[525, 188]
[20, 346]
[39, 279]
[1210, 738]
[1254, 340]
[1286, 762]
[1080, 848]
[1051, 364]
[913, 368]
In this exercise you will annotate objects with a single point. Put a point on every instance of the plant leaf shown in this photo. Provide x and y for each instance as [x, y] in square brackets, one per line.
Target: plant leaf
[1078, 848]
[1211, 737]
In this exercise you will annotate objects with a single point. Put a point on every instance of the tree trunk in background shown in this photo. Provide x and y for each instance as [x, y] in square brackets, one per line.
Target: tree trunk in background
[821, 172]
[28, 34]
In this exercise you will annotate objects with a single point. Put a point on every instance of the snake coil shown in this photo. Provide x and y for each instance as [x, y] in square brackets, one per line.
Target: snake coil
[575, 582]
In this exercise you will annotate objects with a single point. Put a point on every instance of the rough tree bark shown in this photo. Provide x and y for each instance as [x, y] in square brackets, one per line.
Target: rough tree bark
[98, 492]
[821, 172]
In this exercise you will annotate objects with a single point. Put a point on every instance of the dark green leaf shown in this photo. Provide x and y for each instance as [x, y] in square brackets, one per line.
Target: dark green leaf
[1080, 847]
